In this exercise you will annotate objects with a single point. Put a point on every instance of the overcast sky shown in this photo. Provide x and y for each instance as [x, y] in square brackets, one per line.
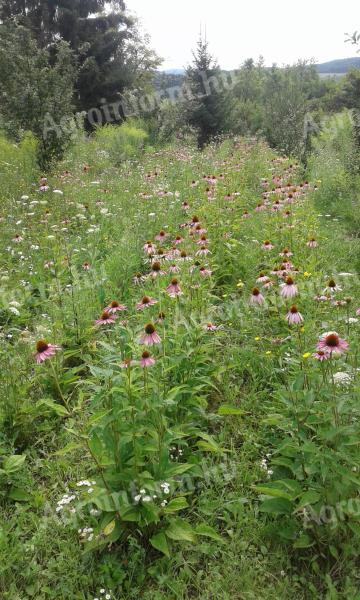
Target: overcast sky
[282, 31]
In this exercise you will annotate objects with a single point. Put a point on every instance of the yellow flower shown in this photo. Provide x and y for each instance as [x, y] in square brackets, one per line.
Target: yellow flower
[224, 295]
[307, 355]
[306, 274]
[268, 352]
[302, 329]
[257, 339]
[240, 284]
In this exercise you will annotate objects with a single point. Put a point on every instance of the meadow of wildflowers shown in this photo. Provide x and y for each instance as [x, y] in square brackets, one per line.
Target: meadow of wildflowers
[178, 401]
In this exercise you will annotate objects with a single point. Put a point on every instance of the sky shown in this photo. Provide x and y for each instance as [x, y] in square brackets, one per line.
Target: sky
[279, 30]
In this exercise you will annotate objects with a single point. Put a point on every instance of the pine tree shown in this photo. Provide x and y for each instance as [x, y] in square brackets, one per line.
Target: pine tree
[205, 107]
[105, 42]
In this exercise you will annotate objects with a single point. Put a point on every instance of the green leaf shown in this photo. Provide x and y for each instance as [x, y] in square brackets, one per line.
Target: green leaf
[109, 528]
[180, 530]
[12, 464]
[273, 491]
[68, 448]
[159, 542]
[304, 541]
[59, 409]
[207, 531]
[310, 497]
[277, 506]
[19, 495]
[227, 409]
[176, 504]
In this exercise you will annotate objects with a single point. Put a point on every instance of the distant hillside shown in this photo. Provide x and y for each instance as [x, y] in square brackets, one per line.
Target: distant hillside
[342, 65]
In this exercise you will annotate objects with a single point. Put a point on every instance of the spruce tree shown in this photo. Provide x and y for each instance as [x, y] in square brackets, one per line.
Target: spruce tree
[102, 35]
[205, 107]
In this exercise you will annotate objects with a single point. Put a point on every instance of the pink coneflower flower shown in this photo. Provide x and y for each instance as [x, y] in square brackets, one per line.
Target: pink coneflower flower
[332, 287]
[139, 278]
[332, 343]
[276, 206]
[156, 270]
[160, 317]
[286, 252]
[146, 360]
[203, 240]
[203, 251]
[267, 245]
[199, 229]
[210, 327]
[288, 289]
[194, 184]
[256, 297]
[126, 363]
[293, 317]
[115, 307]
[262, 278]
[260, 207]
[174, 269]
[161, 236]
[150, 337]
[245, 214]
[268, 283]
[105, 319]
[178, 240]
[44, 351]
[86, 266]
[205, 272]
[145, 302]
[149, 248]
[173, 289]
[321, 355]
[312, 243]
[173, 253]
[184, 256]
[17, 238]
[185, 206]
[358, 312]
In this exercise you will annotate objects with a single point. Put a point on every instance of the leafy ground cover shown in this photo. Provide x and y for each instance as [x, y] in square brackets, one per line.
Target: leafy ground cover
[179, 380]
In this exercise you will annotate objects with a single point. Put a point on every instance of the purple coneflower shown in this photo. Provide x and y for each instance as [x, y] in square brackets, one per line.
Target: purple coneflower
[203, 251]
[105, 319]
[256, 297]
[86, 266]
[145, 302]
[205, 272]
[312, 243]
[288, 288]
[146, 360]
[332, 287]
[115, 307]
[156, 270]
[44, 351]
[173, 289]
[210, 327]
[332, 343]
[150, 336]
[293, 317]
[161, 236]
[267, 245]
[321, 355]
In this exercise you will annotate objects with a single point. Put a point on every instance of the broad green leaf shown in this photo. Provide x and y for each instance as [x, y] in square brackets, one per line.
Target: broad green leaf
[19, 495]
[68, 448]
[276, 492]
[109, 528]
[277, 506]
[180, 530]
[304, 541]
[159, 542]
[176, 504]
[227, 409]
[59, 409]
[207, 531]
[12, 464]
[310, 497]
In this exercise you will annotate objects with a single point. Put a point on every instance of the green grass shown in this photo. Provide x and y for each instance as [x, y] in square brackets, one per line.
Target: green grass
[245, 365]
